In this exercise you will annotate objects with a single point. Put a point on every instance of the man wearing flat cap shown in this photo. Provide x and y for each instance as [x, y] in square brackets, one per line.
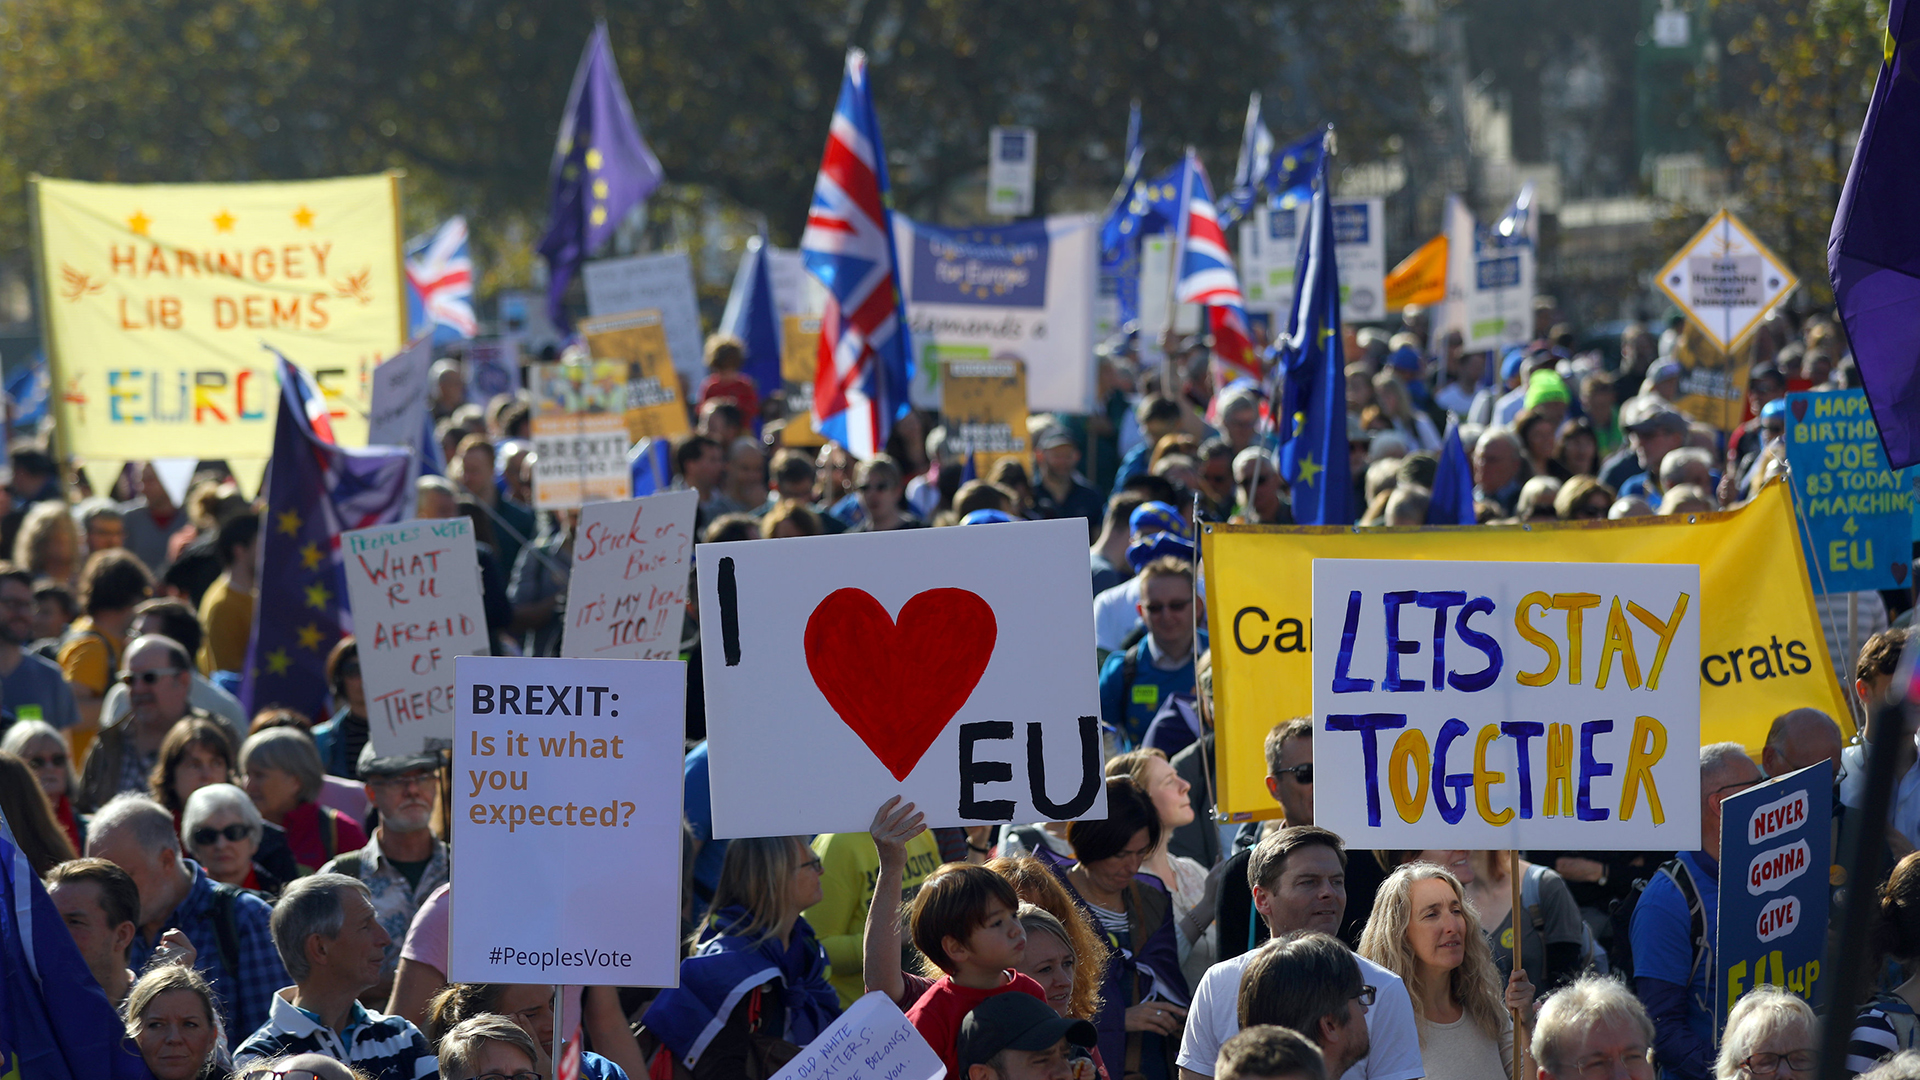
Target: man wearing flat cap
[404, 862]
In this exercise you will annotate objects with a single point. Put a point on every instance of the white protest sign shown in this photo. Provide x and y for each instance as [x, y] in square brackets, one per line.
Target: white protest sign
[1021, 291]
[1725, 279]
[872, 1040]
[1490, 705]
[1011, 155]
[1499, 298]
[566, 796]
[1270, 242]
[493, 367]
[415, 593]
[399, 410]
[662, 282]
[628, 588]
[947, 666]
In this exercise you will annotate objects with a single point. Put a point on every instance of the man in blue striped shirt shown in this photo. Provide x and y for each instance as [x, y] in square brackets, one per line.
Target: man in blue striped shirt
[331, 939]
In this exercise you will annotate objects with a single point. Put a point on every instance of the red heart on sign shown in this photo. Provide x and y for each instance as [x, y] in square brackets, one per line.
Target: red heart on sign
[1799, 409]
[897, 684]
[1899, 573]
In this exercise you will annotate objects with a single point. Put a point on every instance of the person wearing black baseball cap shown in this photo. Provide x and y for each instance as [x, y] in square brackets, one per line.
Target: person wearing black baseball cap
[1020, 1037]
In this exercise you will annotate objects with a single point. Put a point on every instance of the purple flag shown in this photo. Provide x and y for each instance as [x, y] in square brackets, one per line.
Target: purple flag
[315, 491]
[1873, 254]
[602, 169]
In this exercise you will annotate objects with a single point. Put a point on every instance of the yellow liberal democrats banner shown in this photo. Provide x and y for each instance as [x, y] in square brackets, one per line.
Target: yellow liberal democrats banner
[158, 298]
[1761, 648]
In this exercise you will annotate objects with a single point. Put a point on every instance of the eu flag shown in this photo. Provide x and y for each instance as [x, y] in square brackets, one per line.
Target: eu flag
[602, 169]
[1452, 502]
[1313, 456]
[1873, 253]
[55, 1021]
[753, 317]
[315, 491]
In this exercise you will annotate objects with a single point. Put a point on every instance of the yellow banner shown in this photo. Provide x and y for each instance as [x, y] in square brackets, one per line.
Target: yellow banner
[1761, 648]
[158, 298]
[984, 402]
[1421, 278]
[636, 343]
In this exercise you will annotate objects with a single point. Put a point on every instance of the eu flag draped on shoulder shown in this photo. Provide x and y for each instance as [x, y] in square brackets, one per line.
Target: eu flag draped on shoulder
[752, 316]
[1313, 456]
[602, 169]
[440, 284]
[1207, 276]
[1452, 502]
[315, 491]
[865, 364]
[1873, 253]
[55, 1021]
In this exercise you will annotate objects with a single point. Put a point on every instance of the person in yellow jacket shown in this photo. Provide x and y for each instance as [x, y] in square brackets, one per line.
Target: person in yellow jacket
[849, 865]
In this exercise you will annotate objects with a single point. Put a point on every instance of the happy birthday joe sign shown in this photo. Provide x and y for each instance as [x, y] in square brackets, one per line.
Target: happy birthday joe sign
[158, 297]
[1508, 705]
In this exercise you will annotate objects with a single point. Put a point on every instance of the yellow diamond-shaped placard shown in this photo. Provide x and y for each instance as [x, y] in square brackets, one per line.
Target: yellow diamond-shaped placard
[1725, 279]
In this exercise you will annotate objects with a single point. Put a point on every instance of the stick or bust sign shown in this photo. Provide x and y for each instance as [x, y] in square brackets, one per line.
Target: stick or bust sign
[1508, 705]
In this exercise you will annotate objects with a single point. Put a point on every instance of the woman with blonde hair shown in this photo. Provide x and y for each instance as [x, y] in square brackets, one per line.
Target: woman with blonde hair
[174, 1021]
[1184, 878]
[1040, 889]
[1424, 930]
[757, 950]
[48, 544]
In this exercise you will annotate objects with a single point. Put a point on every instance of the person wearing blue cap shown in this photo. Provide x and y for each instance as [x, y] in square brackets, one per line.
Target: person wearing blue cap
[1156, 529]
[1765, 385]
[1511, 379]
[1135, 680]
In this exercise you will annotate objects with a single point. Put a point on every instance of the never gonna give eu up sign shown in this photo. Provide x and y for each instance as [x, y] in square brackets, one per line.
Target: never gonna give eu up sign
[1490, 705]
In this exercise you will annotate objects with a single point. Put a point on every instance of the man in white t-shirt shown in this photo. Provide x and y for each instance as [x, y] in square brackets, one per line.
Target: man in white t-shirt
[1298, 877]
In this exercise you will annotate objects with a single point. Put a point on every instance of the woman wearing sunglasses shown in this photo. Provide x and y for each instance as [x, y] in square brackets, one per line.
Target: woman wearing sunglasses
[37, 743]
[1424, 929]
[222, 829]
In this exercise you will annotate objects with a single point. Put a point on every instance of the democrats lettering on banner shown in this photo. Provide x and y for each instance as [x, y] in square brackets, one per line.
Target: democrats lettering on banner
[566, 794]
[1500, 705]
[947, 666]
[1858, 515]
[1024, 291]
[1776, 848]
[415, 593]
[627, 587]
[158, 297]
[579, 434]
[1762, 652]
[872, 1040]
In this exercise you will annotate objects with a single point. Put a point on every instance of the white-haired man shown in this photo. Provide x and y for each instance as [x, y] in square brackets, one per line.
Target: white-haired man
[1593, 1027]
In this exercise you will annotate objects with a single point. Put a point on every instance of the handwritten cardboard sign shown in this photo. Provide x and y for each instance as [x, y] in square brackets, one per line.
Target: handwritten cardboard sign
[400, 391]
[1776, 853]
[636, 342]
[948, 666]
[566, 794]
[628, 590]
[1857, 514]
[872, 1040]
[662, 281]
[579, 434]
[1488, 705]
[415, 591]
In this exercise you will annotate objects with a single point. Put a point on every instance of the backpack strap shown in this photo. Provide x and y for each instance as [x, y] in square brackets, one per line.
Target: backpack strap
[226, 928]
[1530, 897]
[1697, 914]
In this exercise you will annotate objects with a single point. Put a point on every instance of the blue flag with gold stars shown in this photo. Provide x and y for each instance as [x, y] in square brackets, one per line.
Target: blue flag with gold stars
[315, 491]
[602, 169]
[1313, 455]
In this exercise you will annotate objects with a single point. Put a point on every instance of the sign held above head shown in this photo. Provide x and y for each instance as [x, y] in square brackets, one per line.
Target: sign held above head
[948, 666]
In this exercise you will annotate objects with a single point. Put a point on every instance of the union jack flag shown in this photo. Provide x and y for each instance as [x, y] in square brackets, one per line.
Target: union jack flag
[1207, 276]
[440, 283]
[865, 361]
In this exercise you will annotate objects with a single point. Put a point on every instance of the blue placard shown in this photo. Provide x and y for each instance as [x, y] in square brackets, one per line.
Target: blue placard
[996, 266]
[1776, 860]
[1497, 272]
[1857, 516]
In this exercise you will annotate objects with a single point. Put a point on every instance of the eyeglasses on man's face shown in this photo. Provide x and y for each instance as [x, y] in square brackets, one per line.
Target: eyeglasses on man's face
[1302, 772]
[1769, 1064]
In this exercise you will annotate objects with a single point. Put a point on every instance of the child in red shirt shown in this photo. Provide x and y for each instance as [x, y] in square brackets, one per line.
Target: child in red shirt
[726, 355]
[963, 921]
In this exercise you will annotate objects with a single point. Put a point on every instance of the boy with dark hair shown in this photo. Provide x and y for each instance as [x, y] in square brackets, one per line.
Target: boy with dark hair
[963, 921]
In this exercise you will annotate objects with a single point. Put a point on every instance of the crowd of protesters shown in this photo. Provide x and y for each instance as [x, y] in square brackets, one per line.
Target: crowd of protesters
[264, 895]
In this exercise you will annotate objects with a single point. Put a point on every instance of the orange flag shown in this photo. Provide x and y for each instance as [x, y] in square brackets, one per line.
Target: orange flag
[1421, 278]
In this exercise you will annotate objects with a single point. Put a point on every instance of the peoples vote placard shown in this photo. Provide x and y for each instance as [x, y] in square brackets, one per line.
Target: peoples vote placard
[566, 810]
[415, 592]
[1491, 705]
[946, 666]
